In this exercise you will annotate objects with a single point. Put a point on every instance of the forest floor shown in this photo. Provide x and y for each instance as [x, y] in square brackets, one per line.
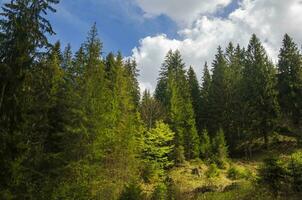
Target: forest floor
[197, 180]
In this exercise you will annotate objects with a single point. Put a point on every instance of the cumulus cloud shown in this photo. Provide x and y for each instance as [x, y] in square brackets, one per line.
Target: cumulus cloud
[182, 11]
[269, 19]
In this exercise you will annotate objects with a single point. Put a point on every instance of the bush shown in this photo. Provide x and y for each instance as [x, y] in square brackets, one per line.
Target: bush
[160, 192]
[213, 171]
[283, 175]
[295, 169]
[220, 150]
[132, 192]
[151, 172]
[174, 192]
[179, 154]
[235, 173]
[274, 174]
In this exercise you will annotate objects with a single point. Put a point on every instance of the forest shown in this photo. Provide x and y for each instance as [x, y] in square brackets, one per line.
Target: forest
[76, 126]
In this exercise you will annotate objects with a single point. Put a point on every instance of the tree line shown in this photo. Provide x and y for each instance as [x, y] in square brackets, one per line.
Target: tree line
[74, 126]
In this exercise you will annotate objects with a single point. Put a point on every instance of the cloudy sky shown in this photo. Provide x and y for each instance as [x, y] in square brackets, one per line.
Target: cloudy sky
[147, 29]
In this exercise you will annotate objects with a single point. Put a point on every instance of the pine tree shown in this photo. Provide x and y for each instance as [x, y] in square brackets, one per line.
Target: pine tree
[219, 148]
[235, 60]
[173, 92]
[132, 73]
[205, 90]
[259, 93]
[290, 80]
[157, 145]
[218, 96]
[123, 126]
[205, 145]
[195, 97]
[23, 32]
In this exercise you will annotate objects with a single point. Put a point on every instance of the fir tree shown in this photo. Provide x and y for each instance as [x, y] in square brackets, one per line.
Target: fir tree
[218, 93]
[290, 80]
[173, 92]
[259, 91]
[196, 97]
[205, 145]
[205, 89]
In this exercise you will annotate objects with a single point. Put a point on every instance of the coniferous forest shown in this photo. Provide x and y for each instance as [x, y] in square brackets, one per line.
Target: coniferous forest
[75, 125]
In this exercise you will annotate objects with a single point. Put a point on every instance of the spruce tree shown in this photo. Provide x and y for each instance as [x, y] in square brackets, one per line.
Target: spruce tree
[195, 97]
[173, 92]
[218, 96]
[205, 90]
[235, 61]
[23, 32]
[259, 91]
[290, 80]
[205, 145]
[132, 73]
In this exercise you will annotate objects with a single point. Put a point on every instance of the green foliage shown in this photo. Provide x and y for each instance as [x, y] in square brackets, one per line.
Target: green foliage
[218, 93]
[156, 151]
[274, 173]
[204, 104]
[73, 126]
[283, 175]
[195, 97]
[179, 155]
[157, 145]
[235, 173]
[295, 168]
[132, 192]
[245, 191]
[290, 80]
[160, 192]
[173, 92]
[212, 171]
[151, 110]
[259, 93]
[220, 149]
[205, 145]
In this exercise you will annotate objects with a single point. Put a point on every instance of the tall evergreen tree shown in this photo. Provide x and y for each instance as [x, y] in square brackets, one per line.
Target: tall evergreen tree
[259, 91]
[205, 90]
[290, 80]
[173, 92]
[218, 96]
[132, 73]
[195, 97]
[23, 33]
[233, 128]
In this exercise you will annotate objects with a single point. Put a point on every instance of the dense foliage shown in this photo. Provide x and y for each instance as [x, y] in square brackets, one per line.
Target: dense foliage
[73, 125]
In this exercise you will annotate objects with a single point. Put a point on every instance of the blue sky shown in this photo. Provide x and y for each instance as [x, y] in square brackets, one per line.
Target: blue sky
[120, 24]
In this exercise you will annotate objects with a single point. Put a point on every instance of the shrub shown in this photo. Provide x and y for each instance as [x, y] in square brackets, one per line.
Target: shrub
[274, 174]
[295, 169]
[213, 171]
[235, 173]
[151, 172]
[205, 145]
[132, 192]
[160, 192]
[220, 149]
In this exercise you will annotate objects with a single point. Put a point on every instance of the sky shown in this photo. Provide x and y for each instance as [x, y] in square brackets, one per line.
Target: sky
[147, 29]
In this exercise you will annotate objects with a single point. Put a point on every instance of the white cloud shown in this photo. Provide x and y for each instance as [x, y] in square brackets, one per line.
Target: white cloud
[182, 11]
[269, 19]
